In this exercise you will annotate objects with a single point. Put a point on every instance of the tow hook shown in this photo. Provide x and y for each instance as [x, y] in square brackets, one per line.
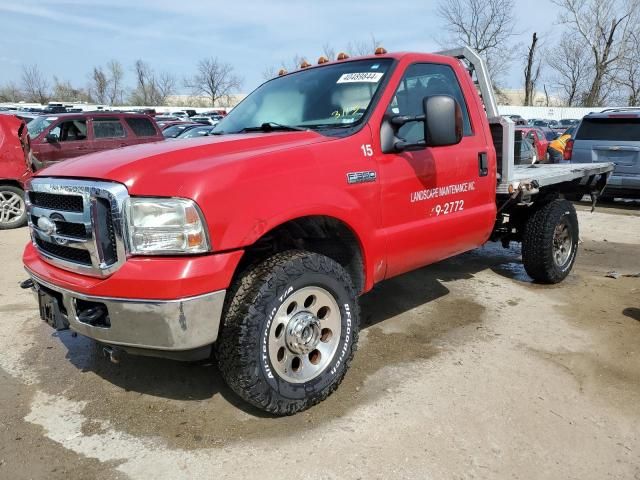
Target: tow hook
[26, 284]
[111, 353]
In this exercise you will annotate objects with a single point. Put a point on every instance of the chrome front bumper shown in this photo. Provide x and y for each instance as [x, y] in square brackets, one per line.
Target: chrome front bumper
[154, 325]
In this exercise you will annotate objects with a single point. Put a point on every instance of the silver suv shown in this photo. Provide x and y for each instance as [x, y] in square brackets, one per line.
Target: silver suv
[612, 135]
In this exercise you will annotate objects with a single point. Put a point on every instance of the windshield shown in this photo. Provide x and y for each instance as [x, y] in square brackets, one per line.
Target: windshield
[175, 130]
[196, 132]
[39, 125]
[336, 95]
[620, 129]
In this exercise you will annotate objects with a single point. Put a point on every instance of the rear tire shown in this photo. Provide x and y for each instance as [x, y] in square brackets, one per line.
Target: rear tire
[290, 332]
[13, 209]
[550, 242]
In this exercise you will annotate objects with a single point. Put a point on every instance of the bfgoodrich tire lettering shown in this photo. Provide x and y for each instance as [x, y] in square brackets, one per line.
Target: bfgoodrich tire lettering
[244, 354]
[550, 242]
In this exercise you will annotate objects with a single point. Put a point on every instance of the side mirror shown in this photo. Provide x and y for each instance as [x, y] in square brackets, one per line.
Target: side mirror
[51, 138]
[443, 121]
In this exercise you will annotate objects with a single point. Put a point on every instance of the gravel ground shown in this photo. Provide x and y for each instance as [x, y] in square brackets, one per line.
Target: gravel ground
[465, 370]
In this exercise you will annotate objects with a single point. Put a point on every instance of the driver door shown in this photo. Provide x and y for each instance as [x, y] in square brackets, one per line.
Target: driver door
[435, 201]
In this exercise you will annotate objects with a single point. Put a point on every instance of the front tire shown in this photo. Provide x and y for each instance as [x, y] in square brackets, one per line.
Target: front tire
[290, 332]
[13, 209]
[550, 242]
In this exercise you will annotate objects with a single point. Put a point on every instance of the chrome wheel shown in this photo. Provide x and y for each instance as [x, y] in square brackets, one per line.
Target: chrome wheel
[304, 335]
[12, 207]
[562, 243]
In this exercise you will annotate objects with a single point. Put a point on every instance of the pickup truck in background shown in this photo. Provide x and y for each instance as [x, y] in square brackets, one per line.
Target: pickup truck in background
[255, 243]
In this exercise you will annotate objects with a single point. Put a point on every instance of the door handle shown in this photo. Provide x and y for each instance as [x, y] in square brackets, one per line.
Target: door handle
[483, 164]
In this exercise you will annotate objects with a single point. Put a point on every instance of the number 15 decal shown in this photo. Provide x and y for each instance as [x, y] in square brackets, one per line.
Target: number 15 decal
[367, 151]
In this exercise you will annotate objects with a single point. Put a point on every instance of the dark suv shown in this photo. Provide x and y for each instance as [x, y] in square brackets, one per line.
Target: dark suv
[67, 135]
[611, 136]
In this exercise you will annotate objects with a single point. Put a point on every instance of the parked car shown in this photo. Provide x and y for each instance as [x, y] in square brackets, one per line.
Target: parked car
[166, 118]
[15, 170]
[540, 123]
[54, 109]
[568, 122]
[177, 129]
[550, 134]
[517, 119]
[180, 115]
[528, 153]
[198, 131]
[211, 120]
[538, 138]
[610, 136]
[55, 138]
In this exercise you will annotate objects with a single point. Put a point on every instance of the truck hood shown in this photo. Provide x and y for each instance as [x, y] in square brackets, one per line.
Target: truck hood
[140, 167]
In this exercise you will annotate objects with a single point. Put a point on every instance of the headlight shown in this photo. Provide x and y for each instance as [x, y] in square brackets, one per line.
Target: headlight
[170, 226]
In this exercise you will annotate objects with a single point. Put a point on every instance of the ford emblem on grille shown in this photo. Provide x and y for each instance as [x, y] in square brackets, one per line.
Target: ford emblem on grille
[47, 226]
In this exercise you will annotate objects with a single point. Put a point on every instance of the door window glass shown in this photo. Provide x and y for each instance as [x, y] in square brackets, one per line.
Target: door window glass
[142, 127]
[108, 128]
[70, 131]
[426, 80]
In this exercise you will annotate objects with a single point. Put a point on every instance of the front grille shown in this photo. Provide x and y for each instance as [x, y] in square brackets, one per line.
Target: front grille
[82, 257]
[77, 224]
[53, 201]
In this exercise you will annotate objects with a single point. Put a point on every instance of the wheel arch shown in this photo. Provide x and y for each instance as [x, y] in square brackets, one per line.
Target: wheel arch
[323, 234]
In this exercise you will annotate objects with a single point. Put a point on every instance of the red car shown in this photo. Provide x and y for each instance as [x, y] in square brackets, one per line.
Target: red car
[538, 138]
[15, 169]
[58, 137]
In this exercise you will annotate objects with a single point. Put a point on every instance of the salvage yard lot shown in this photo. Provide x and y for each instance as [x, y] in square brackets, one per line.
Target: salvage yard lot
[465, 370]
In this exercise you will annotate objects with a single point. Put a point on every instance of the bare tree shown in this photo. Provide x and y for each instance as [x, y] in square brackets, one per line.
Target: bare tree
[629, 74]
[570, 63]
[164, 86]
[10, 92]
[485, 25]
[34, 85]
[64, 91]
[151, 88]
[531, 71]
[361, 48]
[99, 85]
[328, 51]
[115, 91]
[215, 80]
[606, 28]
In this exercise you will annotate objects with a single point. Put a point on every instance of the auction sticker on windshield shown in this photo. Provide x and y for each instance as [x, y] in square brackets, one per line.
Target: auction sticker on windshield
[369, 77]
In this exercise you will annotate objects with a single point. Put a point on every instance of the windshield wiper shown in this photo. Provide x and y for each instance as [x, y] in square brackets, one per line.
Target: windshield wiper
[272, 126]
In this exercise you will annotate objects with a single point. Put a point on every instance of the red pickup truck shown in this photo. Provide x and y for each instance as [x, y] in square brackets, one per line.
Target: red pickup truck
[256, 243]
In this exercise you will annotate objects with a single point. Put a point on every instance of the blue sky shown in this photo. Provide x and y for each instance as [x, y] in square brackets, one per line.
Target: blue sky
[67, 38]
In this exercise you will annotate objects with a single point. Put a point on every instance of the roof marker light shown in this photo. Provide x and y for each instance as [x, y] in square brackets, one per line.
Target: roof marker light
[342, 56]
[380, 51]
[305, 64]
[282, 72]
[322, 60]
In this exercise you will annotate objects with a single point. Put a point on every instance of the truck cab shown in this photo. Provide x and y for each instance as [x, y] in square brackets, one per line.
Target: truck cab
[256, 242]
